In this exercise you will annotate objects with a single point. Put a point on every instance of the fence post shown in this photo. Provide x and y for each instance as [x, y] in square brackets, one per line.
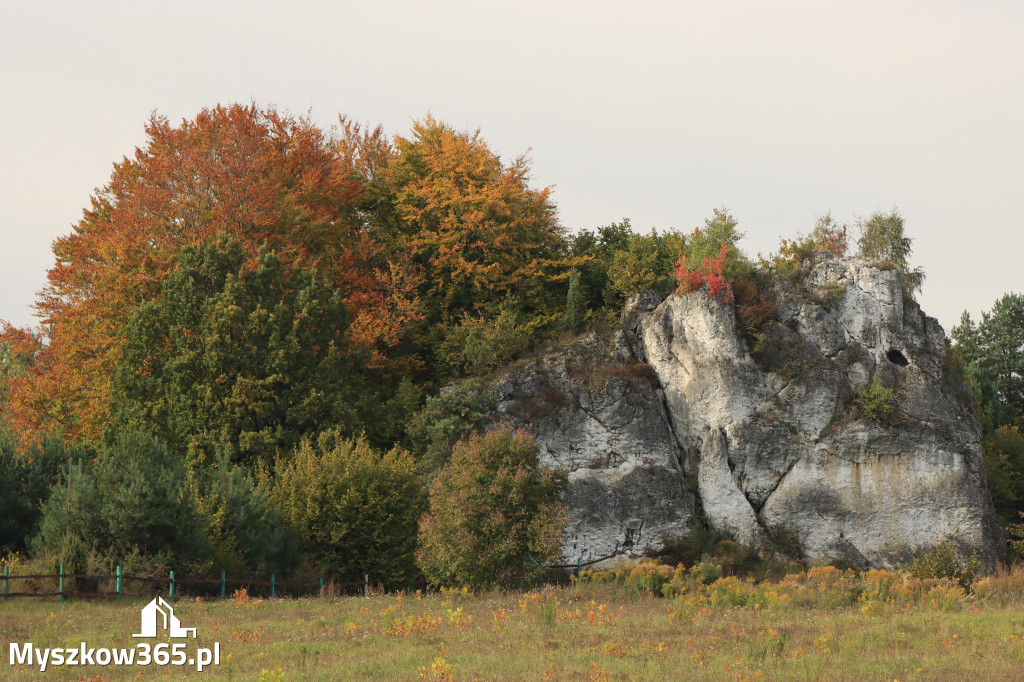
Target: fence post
[579, 565]
[272, 585]
[119, 583]
[60, 583]
[223, 583]
[366, 585]
[170, 593]
[7, 572]
[321, 587]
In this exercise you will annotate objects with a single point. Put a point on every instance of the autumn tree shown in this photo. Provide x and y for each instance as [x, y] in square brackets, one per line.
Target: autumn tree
[473, 223]
[268, 179]
[237, 360]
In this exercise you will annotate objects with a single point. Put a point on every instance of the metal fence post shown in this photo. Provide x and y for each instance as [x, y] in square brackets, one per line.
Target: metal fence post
[579, 565]
[321, 587]
[170, 593]
[60, 583]
[272, 585]
[366, 585]
[7, 572]
[223, 583]
[119, 583]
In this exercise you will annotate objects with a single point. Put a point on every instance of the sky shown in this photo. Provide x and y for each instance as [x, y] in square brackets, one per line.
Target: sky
[654, 111]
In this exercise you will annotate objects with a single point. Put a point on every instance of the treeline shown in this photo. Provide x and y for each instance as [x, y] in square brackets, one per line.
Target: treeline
[991, 354]
[246, 337]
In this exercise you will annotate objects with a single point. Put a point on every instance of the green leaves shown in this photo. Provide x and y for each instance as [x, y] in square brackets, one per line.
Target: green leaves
[354, 508]
[883, 239]
[876, 402]
[237, 361]
[495, 514]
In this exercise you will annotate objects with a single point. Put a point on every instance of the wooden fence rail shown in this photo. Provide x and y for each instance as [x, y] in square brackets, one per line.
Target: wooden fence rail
[172, 582]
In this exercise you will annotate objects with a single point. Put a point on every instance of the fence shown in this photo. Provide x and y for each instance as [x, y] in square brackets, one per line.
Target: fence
[173, 582]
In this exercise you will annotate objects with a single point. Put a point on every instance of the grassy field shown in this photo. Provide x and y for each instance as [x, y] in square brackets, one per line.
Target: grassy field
[816, 625]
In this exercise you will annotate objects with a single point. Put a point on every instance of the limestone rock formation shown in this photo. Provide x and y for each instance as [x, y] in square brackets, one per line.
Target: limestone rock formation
[765, 428]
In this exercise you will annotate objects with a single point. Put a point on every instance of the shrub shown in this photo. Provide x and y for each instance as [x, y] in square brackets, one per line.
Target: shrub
[246, 530]
[876, 402]
[644, 264]
[354, 508]
[1016, 533]
[131, 500]
[496, 515]
[710, 272]
[27, 481]
[943, 562]
[478, 345]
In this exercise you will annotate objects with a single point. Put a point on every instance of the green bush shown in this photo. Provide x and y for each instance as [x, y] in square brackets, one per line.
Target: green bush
[876, 402]
[477, 345]
[446, 419]
[246, 531]
[646, 263]
[943, 562]
[132, 500]
[355, 509]
[496, 516]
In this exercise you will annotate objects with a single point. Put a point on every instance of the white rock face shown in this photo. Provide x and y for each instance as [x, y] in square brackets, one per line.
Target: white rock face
[773, 437]
[599, 414]
[765, 429]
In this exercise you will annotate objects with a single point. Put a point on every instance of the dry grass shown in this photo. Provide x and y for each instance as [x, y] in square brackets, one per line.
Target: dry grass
[823, 624]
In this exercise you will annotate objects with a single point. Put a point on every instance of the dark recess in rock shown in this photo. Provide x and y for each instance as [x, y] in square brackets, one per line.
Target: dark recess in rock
[897, 358]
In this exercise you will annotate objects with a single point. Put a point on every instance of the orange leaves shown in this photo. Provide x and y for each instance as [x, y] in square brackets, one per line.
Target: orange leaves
[472, 222]
[265, 177]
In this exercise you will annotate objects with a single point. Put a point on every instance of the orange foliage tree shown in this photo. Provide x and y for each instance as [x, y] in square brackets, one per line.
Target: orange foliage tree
[473, 223]
[265, 177]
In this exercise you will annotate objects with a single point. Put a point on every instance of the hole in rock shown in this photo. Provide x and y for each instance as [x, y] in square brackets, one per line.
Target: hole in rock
[897, 358]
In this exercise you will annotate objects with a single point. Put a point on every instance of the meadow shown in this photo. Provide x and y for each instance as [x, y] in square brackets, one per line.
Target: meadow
[817, 624]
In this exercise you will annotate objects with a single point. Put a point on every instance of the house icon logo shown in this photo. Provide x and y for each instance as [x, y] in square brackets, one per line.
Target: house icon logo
[158, 611]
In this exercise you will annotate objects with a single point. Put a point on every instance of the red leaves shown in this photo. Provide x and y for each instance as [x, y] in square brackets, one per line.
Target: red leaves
[710, 272]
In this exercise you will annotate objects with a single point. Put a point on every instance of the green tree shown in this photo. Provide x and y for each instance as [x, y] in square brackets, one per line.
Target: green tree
[575, 304]
[355, 509]
[245, 529]
[132, 500]
[706, 242]
[993, 352]
[883, 238]
[237, 361]
[1003, 452]
[645, 263]
[25, 484]
[446, 419]
[496, 515]
[594, 251]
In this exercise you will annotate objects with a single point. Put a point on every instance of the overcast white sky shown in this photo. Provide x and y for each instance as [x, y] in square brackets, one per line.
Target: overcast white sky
[655, 111]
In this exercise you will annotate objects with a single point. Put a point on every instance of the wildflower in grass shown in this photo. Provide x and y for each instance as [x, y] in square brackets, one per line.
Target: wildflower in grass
[439, 668]
[615, 649]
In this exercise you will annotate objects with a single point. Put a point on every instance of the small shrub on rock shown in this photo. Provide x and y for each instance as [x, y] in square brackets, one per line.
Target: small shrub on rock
[876, 402]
